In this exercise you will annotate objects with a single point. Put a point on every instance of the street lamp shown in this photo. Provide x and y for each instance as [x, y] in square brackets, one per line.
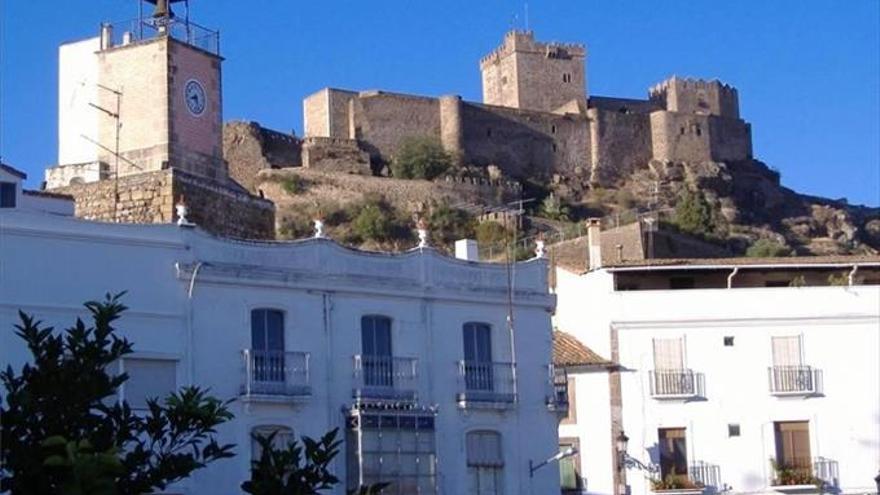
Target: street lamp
[622, 440]
[556, 458]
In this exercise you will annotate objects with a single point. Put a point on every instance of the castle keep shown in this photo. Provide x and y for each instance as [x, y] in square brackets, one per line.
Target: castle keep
[538, 119]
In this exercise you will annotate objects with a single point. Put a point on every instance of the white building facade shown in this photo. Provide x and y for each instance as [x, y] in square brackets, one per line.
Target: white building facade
[409, 355]
[740, 376]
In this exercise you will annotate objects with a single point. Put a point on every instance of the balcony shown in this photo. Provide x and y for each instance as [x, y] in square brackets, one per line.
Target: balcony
[275, 376]
[795, 380]
[486, 384]
[134, 30]
[706, 475]
[385, 379]
[558, 394]
[676, 384]
[804, 475]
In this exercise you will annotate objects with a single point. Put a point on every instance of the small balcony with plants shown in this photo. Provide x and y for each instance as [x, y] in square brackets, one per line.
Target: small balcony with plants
[558, 395]
[796, 476]
[676, 484]
[486, 384]
[389, 380]
[676, 384]
[794, 381]
[275, 376]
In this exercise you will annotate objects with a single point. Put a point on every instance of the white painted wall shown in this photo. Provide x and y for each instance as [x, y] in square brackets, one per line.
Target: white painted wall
[841, 334]
[592, 428]
[77, 79]
[429, 297]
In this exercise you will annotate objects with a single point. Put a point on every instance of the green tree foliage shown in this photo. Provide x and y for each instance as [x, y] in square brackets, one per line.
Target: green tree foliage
[553, 208]
[492, 234]
[420, 157]
[767, 248]
[450, 224]
[64, 433]
[693, 214]
[299, 468]
[374, 222]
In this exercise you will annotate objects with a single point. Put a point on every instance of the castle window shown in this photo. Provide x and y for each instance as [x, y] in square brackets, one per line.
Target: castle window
[553, 129]
[489, 132]
[698, 130]
[681, 131]
[554, 147]
[566, 77]
[503, 80]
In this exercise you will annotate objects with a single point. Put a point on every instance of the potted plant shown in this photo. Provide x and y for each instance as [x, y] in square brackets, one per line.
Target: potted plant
[676, 484]
[787, 475]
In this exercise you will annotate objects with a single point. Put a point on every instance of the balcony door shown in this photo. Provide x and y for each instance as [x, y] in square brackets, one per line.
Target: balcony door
[670, 376]
[478, 370]
[377, 363]
[672, 444]
[793, 445]
[267, 345]
[789, 373]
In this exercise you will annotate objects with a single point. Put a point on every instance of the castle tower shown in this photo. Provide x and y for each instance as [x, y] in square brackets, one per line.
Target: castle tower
[528, 74]
[140, 127]
[152, 92]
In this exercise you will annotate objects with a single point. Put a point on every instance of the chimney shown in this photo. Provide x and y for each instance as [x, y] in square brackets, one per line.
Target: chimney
[594, 241]
[106, 36]
[466, 249]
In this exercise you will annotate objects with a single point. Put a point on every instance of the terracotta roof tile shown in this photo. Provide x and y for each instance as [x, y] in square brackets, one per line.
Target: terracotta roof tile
[569, 351]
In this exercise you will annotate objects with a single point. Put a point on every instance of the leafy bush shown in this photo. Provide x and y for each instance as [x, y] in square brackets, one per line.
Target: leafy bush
[376, 220]
[693, 214]
[78, 438]
[674, 482]
[767, 248]
[450, 224]
[293, 184]
[420, 158]
[553, 208]
[492, 233]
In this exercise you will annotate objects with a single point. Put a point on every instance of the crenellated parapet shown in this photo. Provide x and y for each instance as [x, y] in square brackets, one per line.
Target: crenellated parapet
[523, 41]
[697, 96]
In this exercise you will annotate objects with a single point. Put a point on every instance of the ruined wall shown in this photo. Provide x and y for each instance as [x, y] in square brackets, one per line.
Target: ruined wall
[335, 155]
[249, 148]
[150, 197]
[621, 142]
[523, 143]
[731, 139]
[383, 120]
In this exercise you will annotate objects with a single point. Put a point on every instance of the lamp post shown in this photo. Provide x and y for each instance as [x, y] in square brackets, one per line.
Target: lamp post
[556, 458]
[622, 441]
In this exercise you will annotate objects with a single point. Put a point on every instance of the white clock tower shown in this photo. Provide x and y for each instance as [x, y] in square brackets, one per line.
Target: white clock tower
[142, 96]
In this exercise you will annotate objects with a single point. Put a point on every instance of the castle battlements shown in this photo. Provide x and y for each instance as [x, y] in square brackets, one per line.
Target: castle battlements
[699, 96]
[690, 83]
[524, 42]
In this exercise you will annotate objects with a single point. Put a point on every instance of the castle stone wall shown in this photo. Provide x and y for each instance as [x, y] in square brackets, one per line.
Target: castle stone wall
[680, 137]
[383, 120]
[316, 114]
[335, 155]
[150, 197]
[249, 148]
[731, 139]
[621, 143]
[697, 96]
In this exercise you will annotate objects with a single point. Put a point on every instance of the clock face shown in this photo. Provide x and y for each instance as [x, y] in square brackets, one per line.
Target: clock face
[194, 94]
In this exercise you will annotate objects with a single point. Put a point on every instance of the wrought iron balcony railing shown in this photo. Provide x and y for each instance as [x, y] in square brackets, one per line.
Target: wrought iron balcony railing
[558, 394]
[795, 380]
[385, 378]
[486, 382]
[122, 33]
[676, 384]
[705, 475]
[276, 373]
[801, 471]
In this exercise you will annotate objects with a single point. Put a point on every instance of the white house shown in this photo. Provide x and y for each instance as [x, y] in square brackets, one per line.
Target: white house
[731, 375]
[14, 195]
[410, 355]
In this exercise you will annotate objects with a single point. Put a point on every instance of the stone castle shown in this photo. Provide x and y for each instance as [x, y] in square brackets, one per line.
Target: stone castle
[536, 119]
[141, 129]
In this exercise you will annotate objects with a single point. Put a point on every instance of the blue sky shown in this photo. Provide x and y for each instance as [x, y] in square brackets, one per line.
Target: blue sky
[808, 72]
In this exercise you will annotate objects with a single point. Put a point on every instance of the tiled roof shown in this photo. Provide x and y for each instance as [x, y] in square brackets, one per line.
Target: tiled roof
[746, 261]
[569, 351]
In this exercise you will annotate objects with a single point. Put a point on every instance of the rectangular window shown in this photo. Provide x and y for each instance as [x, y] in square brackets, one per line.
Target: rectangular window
[376, 347]
[479, 374]
[399, 449]
[672, 445]
[787, 351]
[669, 354]
[267, 345]
[793, 445]
[485, 463]
[733, 430]
[728, 341]
[570, 467]
[148, 379]
[7, 194]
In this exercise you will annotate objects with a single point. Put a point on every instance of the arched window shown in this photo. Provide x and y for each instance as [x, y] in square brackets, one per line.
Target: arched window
[283, 437]
[485, 462]
[267, 345]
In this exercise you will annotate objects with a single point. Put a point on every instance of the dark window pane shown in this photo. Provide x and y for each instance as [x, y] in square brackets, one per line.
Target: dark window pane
[673, 451]
[7, 195]
[275, 330]
[258, 329]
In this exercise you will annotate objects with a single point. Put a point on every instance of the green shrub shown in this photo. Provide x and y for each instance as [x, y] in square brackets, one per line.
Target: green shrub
[553, 208]
[373, 223]
[420, 158]
[449, 224]
[693, 214]
[767, 248]
[293, 184]
[492, 233]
